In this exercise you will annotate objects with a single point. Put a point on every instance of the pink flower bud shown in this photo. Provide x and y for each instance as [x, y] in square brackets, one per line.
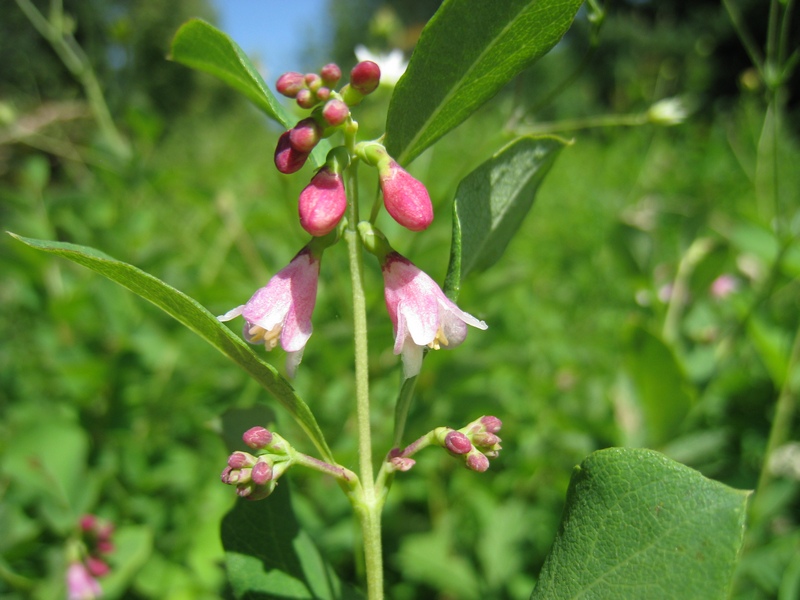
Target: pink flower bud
[305, 135]
[96, 567]
[88, 522]
[313, 81]
[237, 460]
[331, 74]
[105, 547]
[457, 443]
[306, 99]
[485, 439]
[289, 84]
[365, 77]
[335, 112]
[323, 94]
[262, 473]
[492, 424]
[322, 203]
[477, 462]
[287, 159]
[405, 198]
[401, 463]
[257, 437]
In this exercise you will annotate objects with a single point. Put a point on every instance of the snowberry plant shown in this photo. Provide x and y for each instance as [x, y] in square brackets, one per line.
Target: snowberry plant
[465, 55]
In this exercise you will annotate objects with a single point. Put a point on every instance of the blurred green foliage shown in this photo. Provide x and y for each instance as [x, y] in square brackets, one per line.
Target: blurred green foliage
[110, 407]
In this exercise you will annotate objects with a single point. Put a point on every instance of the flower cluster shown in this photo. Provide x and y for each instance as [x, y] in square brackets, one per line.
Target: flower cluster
[280, 312]
[475, 444]
[88, 559]
[256, 475]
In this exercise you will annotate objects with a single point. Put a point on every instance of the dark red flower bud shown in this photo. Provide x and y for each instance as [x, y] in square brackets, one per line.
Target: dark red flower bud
[257, 437]
[335, 112]
[289, 84]
[306, 98]
[457, 443]
[365, 77]
[287, 159]
[492, 424]
[97, 567]
[322, 203]
[331, 74]
[305, 135]
[477, 462]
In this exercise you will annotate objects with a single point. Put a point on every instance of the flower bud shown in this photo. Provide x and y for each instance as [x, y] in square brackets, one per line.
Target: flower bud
[313, 81]
[491, 424]
[351, 96]
[88, 522]
[289, 84]
[237, 460]
[365, 77]
[96, 566]
[401, 463]
[335, 112]
[225, 476]
[457, 443]
[259, 492]
[323, 94]
[287, 159]
[331, 74]
[306, 98]
[405, 198]
[257, 437]
[322, 203]
[262, 473]
[485, 439]
[105, 546]
[305, 135]
[477, 462]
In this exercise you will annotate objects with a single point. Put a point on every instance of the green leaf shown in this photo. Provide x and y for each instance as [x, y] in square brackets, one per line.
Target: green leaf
[465, 54]
[662, 389]
[268, 555]
[491, 204]
[639, 525]
[190, 313]
[202, 46]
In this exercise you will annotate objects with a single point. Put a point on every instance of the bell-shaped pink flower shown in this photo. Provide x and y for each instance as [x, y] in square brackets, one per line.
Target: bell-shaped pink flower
[281, 310]
[81, 585]
[322, 202]
[421, 314]
[405, 198]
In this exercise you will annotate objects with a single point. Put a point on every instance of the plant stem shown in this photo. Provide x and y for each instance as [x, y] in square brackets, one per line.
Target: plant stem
[368, 505]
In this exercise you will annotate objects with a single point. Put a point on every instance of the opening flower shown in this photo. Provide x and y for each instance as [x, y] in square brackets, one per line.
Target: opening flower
[421, 314]
[81, 585]
[281, 310]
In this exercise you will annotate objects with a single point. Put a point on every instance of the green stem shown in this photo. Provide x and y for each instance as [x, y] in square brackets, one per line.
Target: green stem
[367, 505]
[78, 64]
[782, 421]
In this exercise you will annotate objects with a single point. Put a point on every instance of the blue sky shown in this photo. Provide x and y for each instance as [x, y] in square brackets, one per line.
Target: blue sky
[273, 31]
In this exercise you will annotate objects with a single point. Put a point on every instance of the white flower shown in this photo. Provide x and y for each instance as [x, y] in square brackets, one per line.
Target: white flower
[669, 111]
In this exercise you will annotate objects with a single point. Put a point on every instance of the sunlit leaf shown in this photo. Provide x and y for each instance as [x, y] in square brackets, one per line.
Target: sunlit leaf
[465, 54]
[194, 316]
[491, 204]
[639, 525]
[200, 45]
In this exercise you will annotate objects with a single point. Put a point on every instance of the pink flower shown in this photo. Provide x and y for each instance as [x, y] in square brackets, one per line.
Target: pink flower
[322, 203]
[405, 198]
[724, 286]
[80, 583]
[421, 314]
[282, 309]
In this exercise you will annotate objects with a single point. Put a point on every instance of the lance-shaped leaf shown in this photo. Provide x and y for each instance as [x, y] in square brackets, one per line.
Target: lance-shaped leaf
[200, 45]
[639, 525]
[268, 555]
[194, 316]
[491, 203]
[465, 54]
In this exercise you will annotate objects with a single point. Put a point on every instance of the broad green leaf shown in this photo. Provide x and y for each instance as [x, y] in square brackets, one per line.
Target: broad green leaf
[639, 525]
[663, 391]
[268, 555]
[194, 316]
[491, 204]
[465, 54]
[200, 45]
